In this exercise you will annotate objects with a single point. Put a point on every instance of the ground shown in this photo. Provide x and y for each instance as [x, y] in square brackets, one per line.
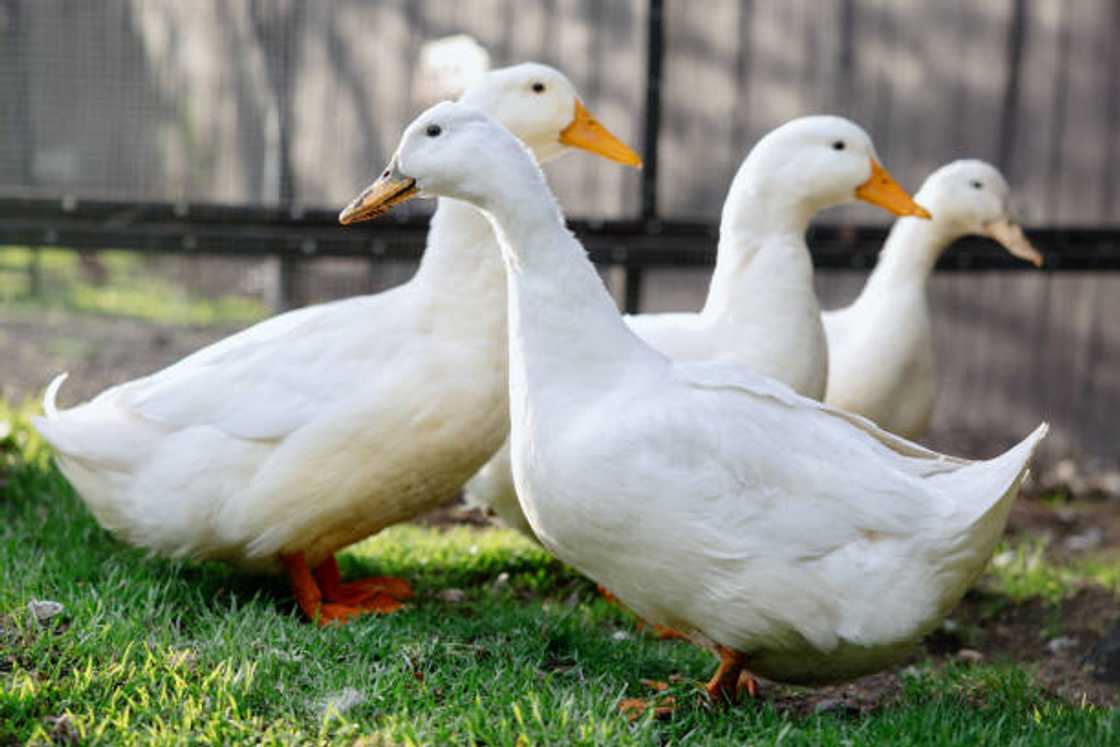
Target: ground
[502, 645]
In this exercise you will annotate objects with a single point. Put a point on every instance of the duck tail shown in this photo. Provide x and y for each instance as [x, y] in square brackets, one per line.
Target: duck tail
[994, 484]
[1011, 468]
[80, 454]
[51, 396]
[984, 493]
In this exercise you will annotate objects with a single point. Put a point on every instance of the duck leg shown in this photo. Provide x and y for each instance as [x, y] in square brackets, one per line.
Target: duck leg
[375, 593]
[310, 598]
[748, 684]
[724, 684]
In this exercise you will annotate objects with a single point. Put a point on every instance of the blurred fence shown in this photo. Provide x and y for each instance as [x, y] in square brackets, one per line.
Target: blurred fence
[281, 101]
[238, 127]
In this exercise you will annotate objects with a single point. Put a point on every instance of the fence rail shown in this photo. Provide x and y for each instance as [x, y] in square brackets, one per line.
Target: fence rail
[254, 230]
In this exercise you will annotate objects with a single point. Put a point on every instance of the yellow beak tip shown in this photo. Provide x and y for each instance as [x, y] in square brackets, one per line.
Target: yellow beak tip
[585, 132]
[348, 215]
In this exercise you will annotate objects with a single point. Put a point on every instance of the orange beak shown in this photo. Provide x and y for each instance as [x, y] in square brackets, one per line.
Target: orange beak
[1009, 234]
[586, 133]
[883, 191]
[390, 190]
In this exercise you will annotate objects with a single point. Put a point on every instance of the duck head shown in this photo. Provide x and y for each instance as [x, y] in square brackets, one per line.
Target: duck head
[816, 162]
[451, 150]
[540, 106]
[536, 103]
[972, 197]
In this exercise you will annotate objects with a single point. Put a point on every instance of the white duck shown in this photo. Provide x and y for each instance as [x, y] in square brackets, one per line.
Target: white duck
[793, 538]
[761, 309]
[310, 431]
[881, 357]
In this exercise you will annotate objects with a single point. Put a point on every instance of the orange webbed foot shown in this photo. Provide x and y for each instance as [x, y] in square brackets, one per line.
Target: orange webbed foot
[724, 687]
[337, 613]
[361, 591]
[724, 684]
[323, 597]
[747, 684]
[380, 603]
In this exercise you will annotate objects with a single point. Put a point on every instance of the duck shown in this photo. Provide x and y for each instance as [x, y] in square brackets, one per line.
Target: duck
[880, 347]
[797, 541]
[273, 449]
[761, 308]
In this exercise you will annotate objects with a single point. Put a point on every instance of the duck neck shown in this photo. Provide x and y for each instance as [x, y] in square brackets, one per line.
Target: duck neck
[762, 262]
[462, 259]
[559, 311]
[908, 257]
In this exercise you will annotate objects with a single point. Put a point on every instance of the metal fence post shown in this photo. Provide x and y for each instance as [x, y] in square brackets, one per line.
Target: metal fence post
[276, 28]
[286, 289]
[655, 53]
[35, 273]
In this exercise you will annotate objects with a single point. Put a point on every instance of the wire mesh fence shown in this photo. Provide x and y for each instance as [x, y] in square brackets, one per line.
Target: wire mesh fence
[214, 141]
[280, 101]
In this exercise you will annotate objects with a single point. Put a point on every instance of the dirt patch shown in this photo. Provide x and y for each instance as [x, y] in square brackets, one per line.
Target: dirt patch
[1070, 529]
[987, 628]
[860, 698]
[1057, 639]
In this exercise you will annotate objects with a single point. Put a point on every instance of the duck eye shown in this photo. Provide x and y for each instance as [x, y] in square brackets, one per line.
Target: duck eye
[838, 145]
[538, 88]
[434, 130]
[977, 184]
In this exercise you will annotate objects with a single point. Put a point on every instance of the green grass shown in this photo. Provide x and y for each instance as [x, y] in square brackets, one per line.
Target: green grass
[1023, 571]
[152, 651]
[129, 290]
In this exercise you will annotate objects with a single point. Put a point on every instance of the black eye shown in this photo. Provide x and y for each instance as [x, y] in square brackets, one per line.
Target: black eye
[433, 130]
[538, 88]
[977, 184]
[838, 145]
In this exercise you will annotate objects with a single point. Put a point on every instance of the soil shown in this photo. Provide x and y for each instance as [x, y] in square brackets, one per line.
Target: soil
[1070, 529]
[1017, 634]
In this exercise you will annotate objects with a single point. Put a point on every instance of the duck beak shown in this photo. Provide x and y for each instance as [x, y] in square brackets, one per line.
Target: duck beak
[1010, 235]
[390, 190]
[883, 191]
[586, 133]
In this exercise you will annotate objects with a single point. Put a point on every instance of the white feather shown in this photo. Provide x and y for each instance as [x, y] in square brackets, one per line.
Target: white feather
[882, 362]
[709, 498]
[761, 309]
[319, 427]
